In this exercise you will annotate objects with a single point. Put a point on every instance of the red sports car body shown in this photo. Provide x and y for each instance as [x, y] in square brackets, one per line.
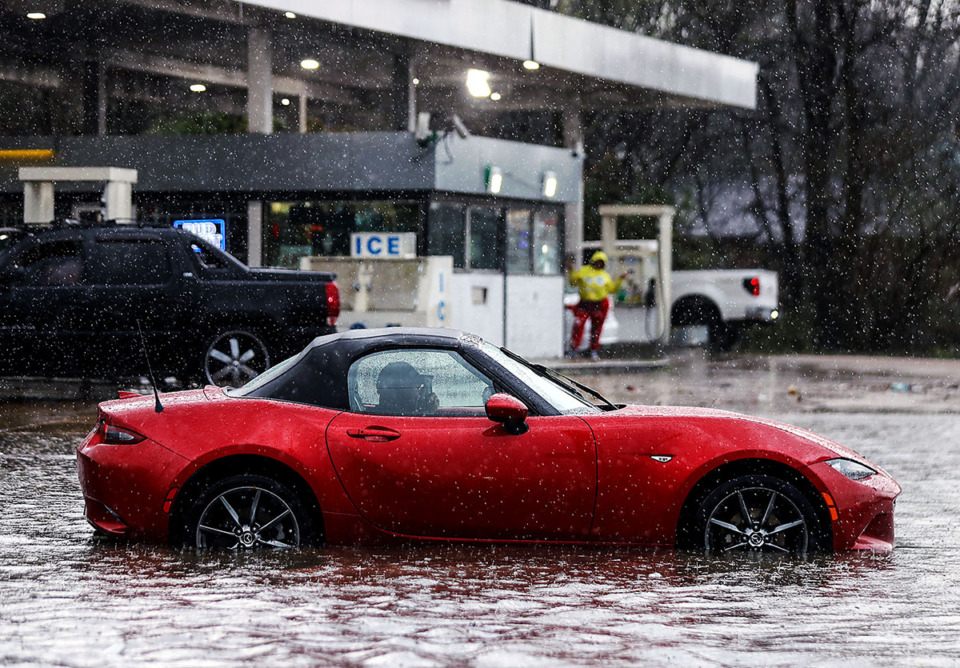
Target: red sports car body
[400, 434]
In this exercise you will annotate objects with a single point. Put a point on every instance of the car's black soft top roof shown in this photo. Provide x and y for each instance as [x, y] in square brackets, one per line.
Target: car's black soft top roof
[360, 339]
[317, 375]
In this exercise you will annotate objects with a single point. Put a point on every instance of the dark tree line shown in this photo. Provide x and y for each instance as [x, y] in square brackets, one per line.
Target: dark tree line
[847, 172]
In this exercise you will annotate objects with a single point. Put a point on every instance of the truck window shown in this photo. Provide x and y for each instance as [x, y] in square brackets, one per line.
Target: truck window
[129, 262]
[54, 263]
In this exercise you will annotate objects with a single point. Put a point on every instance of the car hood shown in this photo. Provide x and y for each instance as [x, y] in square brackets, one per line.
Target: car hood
[830, 448]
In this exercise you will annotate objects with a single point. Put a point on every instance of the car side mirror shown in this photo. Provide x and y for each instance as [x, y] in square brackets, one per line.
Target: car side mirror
[509, 411]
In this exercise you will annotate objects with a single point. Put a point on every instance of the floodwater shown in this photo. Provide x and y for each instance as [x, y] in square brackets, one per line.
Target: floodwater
[69, 599]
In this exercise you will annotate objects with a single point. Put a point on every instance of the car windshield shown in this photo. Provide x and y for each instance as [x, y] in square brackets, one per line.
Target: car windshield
[562, 397]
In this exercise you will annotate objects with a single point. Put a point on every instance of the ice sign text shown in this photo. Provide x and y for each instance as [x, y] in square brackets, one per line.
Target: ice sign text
[387, 245]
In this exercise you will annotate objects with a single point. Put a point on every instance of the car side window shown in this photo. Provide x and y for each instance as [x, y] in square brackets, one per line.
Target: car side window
[417, 382]
[51, 264]
[129, 262]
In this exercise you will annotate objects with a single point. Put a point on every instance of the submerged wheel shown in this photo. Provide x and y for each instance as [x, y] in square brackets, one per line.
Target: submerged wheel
[248, 512]
[234, 357]
[758, 513]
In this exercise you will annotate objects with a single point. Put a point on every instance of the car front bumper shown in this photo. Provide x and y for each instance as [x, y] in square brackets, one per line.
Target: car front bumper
[864, 509]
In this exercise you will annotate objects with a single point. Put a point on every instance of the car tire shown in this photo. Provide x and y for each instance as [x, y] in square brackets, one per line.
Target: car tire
[248, 512]
[233, 357]
[758, 513]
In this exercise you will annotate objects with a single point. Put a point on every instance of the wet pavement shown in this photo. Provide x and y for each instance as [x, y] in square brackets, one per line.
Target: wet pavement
[69, 599]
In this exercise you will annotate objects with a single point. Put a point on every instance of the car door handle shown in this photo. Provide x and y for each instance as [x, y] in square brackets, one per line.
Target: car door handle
[374, 434]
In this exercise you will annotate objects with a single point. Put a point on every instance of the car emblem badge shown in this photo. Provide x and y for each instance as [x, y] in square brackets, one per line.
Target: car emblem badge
[663, 459]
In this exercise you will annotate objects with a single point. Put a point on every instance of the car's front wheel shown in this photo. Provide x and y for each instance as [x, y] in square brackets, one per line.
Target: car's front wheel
[234, 357]
[248, 512]
[758, 513]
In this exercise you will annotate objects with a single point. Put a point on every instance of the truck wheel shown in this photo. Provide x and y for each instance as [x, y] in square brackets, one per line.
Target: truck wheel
[234, 357]
[721, 337]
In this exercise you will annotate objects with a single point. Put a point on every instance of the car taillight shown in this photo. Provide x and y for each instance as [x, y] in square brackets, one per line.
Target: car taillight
[752, 285]
[111, 435]
[333, 303]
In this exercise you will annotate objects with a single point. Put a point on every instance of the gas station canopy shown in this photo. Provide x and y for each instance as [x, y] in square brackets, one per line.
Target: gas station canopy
[582, 64]
[371, 63]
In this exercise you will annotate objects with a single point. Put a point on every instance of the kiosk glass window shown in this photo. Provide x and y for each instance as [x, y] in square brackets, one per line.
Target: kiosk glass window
[519, 260]
[546, 242]
[483, 224]
[448, 232]
[301, 229]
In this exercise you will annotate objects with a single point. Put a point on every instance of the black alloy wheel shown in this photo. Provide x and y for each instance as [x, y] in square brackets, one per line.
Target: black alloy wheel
[758, 514]
[233, 358]
[248, 512]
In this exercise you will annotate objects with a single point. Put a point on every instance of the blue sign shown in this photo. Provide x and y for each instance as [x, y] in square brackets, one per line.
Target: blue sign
[209, 229]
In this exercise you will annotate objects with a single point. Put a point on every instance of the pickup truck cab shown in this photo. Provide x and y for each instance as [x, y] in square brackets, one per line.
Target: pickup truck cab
[85, 300]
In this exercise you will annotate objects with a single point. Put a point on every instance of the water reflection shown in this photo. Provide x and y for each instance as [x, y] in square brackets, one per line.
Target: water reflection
[68, 598]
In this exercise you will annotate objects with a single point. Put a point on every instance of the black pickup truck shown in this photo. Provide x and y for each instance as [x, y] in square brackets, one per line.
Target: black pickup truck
[74, 299]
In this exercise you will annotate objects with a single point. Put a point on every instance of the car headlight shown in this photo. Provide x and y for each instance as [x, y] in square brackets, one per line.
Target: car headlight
[851, 469]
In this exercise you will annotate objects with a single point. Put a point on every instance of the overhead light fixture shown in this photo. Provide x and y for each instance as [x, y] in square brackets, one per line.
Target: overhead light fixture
[549, 184]
[197, 88]
[309, 64]
[495, 97]
[493, 177]
[36, 16]
[290, 15]
[531, 65]
[285, 101]
[477, 83]
[416, 81]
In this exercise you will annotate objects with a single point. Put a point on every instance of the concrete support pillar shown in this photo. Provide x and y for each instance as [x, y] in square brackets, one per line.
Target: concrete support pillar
[255, 233]
[118, 197]
[259, 81]
[37, 201]
[573, 212]
[404, 94]
[38, 185]
[665, 256]
[302, 113]
[94, 96]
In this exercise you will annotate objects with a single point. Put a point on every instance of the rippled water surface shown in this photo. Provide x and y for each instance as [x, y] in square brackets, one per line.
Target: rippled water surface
[68, 599]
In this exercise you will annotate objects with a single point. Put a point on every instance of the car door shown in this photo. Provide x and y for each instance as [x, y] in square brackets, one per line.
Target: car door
[41, 307]
[418, 456]
[131, 280]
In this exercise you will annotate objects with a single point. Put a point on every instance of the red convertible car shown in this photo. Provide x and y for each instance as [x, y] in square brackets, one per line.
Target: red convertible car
[416, 434]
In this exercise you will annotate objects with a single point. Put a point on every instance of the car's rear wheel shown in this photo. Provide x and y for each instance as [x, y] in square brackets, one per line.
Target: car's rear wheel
[248, 512]
[234, 357]
[758, 513]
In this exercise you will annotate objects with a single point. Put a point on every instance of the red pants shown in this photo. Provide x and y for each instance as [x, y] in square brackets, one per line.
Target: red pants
[596, 312]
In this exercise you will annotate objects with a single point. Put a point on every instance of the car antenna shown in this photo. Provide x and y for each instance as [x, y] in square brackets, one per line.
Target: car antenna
[156, 394]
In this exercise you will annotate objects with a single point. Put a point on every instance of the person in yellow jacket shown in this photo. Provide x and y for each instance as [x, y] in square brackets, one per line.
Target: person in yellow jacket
[594, 284]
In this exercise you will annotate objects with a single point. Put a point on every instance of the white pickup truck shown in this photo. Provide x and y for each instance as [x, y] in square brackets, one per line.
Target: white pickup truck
[722, 300]
[725, 301]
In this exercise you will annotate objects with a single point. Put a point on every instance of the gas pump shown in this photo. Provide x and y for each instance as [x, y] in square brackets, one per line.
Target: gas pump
[641, 310]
